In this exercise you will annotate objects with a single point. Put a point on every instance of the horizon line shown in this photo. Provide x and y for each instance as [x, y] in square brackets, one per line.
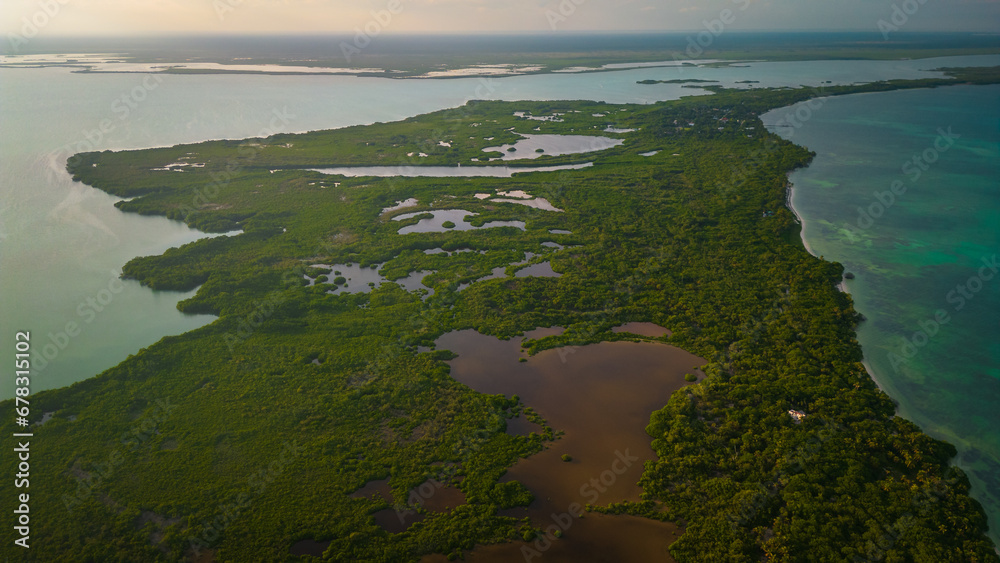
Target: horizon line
[508, 32]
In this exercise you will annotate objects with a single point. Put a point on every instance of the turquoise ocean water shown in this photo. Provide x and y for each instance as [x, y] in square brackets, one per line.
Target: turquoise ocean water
[905, 192]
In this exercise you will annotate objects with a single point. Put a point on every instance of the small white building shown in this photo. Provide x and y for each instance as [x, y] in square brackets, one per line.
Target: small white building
[797, 416]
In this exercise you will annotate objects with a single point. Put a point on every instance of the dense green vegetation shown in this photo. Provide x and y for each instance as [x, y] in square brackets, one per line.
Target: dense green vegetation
[245, 436]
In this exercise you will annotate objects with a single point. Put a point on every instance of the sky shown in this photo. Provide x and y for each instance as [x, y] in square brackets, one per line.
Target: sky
[128, 17]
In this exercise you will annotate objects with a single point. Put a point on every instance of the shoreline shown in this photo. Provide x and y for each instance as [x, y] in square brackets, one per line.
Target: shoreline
[789, 194]
[467, 71]
[597, 64]
[884, 382]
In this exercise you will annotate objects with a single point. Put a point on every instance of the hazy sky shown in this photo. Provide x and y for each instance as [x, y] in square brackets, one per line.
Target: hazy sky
[119, 17]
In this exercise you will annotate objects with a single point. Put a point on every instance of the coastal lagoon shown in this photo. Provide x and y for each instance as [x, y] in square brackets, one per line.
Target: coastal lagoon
[601, 396]
[445, 171]
[457, 217]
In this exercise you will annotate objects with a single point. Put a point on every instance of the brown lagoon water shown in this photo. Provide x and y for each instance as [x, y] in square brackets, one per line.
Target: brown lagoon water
[601, 397]
[649, 330]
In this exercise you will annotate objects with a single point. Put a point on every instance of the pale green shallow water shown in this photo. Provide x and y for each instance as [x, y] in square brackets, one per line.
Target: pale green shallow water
[941, 232]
